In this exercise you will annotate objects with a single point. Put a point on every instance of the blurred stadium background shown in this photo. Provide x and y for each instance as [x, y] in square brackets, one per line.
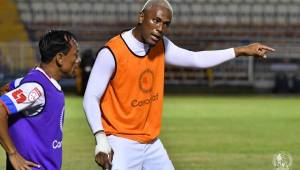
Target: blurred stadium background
[197, 25]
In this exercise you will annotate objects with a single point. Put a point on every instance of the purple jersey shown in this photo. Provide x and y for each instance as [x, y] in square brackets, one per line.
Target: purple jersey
[38, 137]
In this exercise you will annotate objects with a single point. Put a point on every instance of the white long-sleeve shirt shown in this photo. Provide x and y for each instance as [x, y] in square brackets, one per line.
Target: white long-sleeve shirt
[104, 68]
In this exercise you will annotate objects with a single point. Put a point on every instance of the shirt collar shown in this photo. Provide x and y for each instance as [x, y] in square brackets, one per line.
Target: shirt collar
[134, 44]
[53, 81]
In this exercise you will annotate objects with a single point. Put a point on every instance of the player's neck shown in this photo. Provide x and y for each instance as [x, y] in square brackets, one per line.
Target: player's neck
[51, 71]
[137, 34]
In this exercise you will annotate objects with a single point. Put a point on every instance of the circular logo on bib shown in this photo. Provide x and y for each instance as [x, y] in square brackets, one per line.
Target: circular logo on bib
[146, 81]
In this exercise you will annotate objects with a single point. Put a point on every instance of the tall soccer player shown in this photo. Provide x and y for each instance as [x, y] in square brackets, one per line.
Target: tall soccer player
[124, 96]
[32, 111]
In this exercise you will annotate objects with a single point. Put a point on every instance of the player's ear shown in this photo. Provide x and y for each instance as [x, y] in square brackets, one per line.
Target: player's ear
[141, 17]
[59, 59]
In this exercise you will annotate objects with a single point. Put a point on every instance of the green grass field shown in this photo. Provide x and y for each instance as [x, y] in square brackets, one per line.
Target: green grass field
[204, 133]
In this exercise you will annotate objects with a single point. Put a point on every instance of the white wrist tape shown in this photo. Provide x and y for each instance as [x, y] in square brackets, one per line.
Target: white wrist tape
[102, 144]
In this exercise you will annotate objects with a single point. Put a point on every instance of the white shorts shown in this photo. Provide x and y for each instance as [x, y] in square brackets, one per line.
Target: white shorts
[132, 155]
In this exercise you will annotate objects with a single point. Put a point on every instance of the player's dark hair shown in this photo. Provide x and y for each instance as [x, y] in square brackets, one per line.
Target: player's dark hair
[53, 42]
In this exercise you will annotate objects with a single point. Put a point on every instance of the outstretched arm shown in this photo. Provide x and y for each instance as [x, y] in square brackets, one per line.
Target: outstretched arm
[177, 56]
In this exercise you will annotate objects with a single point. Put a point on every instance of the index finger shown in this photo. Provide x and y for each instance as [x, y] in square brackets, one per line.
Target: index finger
[266, 48]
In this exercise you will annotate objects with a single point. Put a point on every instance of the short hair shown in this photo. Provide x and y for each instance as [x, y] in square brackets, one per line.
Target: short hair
[163, 3]
[53, 42]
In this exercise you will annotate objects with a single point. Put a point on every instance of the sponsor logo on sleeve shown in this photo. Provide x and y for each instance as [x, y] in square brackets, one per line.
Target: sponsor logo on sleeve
[34, 94]
[19, 96]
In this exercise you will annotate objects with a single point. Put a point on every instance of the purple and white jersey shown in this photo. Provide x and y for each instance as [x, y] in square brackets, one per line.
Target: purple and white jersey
[35, 106]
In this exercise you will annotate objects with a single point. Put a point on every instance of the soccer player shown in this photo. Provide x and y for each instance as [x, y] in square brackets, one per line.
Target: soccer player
[124, 96]
[32, 111]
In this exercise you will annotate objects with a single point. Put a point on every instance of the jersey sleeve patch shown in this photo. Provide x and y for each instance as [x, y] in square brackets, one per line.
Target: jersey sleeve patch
[19, 96]
[28, 97]
[34, 94]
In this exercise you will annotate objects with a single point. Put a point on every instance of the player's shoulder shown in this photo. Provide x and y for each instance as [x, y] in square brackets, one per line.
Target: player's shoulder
[34, 75]
[114, 40]
[33, 88]
[15, 83]
[39, 77]
[19, 83]
[26, 95]
[30, 81]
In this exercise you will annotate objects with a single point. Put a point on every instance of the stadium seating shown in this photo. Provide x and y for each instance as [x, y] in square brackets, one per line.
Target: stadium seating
[189, 11]
[197, 25]
[16, 54]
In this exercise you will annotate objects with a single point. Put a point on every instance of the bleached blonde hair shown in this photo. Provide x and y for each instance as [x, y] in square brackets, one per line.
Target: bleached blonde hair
[163, 3]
